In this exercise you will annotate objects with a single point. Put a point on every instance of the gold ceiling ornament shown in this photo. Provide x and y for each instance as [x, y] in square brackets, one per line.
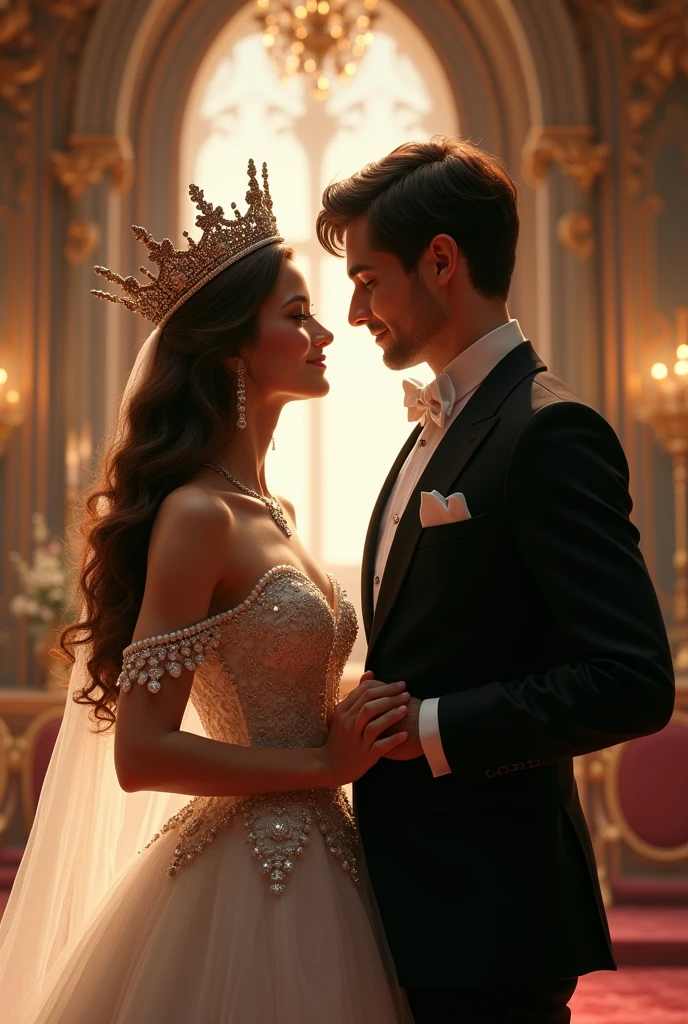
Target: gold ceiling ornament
[88, 157]
[569, 146]
[184, 271]
[656, 59]
[317, 38]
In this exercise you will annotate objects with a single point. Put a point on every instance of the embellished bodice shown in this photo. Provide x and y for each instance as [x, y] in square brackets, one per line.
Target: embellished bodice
[267, 673]
[274, 677]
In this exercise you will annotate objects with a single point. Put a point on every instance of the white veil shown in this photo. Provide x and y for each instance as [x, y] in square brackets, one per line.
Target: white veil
[86, 833]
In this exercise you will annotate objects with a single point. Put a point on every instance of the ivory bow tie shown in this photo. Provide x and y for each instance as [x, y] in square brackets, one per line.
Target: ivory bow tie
[436, 399]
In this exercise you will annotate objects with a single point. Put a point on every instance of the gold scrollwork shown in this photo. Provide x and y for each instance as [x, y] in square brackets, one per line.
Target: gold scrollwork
[575, 232]
[83, 237]
[571, 147]
[88, 157]
[22, 62]
[658, 57]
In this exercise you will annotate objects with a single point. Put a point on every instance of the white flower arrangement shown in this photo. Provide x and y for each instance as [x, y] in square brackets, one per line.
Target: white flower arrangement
[44, 582]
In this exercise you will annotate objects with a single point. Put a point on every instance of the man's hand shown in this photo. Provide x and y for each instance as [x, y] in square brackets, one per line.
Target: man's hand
[412, 747]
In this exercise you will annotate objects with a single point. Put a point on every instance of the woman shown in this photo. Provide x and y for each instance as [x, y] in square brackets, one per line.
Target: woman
[247, 905]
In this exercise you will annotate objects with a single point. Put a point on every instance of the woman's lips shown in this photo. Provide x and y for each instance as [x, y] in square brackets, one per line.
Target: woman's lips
[320, 361]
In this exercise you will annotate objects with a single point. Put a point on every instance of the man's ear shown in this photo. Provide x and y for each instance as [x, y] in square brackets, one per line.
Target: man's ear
[443, 254]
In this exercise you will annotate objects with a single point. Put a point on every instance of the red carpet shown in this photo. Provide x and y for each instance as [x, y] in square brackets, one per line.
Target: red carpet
[632, 995]
[650, 936]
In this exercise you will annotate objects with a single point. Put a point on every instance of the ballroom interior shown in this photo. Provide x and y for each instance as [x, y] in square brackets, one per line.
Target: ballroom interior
[110, 108]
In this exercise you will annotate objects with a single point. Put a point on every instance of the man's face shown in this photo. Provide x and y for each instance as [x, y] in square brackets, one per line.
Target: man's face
[397, 307]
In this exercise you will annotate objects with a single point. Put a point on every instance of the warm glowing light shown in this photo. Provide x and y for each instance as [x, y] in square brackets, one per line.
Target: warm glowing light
[297, 47]
[12, 397]
[360, 39]
[3, 376]
[368, 37]
[681, 367]
[301, 12]
[309, 66]
[682, 351]
[659, 371]
[336, 31]
[273, 30]
[358, 51]
[311, 5]
[268, 40]
[301, 32]
[324, 85]
[323, 7]
[370, 5]
[292, 63]
[263, 5]
[350, 68]
[363, 21]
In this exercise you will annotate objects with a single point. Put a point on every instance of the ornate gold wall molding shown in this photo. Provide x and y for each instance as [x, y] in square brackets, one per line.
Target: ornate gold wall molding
[83, 237]
[656, 58]
[88, 157]
[23, 61]
[571, 147]
[575, 232]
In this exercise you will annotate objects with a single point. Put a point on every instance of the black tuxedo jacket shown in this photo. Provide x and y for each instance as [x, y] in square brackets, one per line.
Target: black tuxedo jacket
[537, 625]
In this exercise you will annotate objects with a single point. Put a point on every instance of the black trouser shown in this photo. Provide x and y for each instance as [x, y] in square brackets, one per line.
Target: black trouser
[527, 1004]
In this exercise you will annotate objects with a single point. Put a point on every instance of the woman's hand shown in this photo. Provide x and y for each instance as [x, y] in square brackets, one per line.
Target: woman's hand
[355, 744]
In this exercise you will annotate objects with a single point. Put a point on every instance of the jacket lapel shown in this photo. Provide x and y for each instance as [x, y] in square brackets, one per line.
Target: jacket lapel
[370, 548]
[462, 440]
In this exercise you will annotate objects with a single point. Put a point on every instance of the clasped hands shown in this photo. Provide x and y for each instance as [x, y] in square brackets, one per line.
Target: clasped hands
[374, 720]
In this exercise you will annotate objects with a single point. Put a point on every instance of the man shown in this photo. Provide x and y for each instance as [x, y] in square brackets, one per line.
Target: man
[513, 601]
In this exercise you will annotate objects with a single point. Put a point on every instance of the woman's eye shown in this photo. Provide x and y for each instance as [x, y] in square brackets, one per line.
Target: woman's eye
[303, 316]
[367, 284]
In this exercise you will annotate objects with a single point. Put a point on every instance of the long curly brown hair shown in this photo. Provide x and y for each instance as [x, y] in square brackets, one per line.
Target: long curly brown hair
[180, 416]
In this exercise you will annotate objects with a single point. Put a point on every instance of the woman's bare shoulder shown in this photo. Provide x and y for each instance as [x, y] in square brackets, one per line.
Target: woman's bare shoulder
[194, 516]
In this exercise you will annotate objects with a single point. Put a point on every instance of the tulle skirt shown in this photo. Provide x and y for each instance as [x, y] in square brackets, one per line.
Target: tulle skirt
[212, 945]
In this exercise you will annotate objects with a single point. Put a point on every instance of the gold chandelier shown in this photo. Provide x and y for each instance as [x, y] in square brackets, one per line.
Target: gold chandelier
[317, 38]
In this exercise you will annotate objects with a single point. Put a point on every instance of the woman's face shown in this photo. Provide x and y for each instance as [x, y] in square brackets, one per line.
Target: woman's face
[288, 359]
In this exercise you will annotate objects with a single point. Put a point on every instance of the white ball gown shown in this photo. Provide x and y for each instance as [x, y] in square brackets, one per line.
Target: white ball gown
[243, 910]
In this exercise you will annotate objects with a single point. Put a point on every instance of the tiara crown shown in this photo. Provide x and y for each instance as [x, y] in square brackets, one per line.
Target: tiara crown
[183, 271]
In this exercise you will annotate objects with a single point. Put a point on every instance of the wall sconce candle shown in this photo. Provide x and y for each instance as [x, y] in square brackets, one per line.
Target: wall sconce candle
[11, 413]
[665, 409]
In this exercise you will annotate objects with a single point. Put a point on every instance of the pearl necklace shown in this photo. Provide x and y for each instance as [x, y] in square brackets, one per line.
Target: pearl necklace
[272, 504]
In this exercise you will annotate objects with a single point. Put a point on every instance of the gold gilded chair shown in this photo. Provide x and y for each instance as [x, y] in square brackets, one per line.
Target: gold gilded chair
[639, 810]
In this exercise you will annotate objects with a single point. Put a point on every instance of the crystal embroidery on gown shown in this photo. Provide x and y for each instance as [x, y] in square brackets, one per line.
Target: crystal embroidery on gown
[243, 908]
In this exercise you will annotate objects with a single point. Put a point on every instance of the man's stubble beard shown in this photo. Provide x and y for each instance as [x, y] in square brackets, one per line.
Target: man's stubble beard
[426, 318]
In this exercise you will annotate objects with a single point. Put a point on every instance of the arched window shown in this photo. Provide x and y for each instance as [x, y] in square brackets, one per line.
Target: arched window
[331, 455]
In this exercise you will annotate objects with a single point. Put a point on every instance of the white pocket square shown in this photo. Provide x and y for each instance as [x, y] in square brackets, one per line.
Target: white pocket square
[436, 510]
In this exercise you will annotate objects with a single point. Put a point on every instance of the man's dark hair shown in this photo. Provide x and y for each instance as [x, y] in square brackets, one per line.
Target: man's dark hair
[422, 189]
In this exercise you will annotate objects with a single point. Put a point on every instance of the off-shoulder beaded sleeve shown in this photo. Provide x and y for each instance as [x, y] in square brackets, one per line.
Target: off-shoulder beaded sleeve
[146, 661]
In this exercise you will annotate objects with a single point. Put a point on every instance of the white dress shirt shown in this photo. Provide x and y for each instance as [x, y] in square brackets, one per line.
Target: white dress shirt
[467, 372]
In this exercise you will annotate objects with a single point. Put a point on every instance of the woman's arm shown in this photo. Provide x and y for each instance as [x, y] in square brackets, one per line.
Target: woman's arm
[191, 540]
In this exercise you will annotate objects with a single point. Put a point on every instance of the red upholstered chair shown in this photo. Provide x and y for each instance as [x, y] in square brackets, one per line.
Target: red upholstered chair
[38, 742]
[640, 804]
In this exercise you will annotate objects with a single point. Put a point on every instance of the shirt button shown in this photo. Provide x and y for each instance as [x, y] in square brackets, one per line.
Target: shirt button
[422, 442]
[395, 519]
[377, 581]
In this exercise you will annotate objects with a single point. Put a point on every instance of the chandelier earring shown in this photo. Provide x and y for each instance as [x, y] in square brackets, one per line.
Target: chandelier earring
[241, 397]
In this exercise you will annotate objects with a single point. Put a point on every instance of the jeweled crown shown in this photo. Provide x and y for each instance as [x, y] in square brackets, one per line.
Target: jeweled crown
[183, 271]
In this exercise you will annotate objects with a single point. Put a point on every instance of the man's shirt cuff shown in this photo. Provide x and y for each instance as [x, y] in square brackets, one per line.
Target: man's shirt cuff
[430, 740]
